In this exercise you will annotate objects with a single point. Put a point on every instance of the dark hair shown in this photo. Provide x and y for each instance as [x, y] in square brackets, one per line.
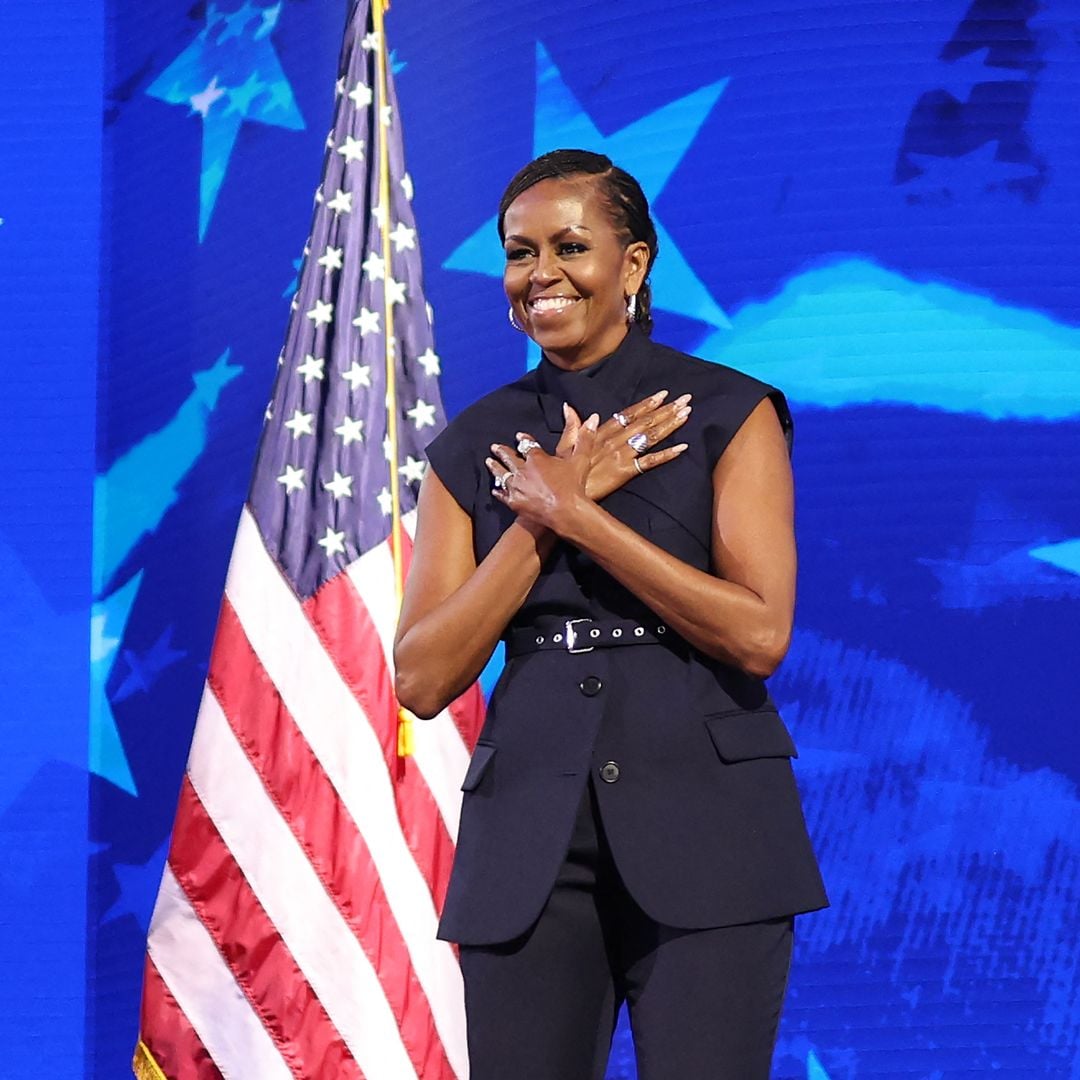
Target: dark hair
[625, 200]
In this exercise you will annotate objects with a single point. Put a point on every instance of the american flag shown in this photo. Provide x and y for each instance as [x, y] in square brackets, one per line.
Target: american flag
[294, 931]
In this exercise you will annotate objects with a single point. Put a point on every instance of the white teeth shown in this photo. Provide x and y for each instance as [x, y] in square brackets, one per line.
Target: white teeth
[551, 303]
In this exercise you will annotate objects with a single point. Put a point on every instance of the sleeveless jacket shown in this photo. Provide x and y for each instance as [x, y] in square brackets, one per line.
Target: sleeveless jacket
[701, 809]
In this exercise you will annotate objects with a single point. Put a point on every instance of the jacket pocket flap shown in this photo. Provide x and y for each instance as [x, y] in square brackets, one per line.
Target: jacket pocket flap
[481, 759]
[742, 736]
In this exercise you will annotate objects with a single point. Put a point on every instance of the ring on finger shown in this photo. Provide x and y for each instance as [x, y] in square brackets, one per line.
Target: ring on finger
[525, 445]
[637, 465]
[500, 480]
[638, 442]
[621, 419]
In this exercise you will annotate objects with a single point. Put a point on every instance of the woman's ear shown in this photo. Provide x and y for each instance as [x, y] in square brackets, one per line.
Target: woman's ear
[636, 263]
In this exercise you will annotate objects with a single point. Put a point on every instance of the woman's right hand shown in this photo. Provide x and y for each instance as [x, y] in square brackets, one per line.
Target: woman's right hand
[612, 459]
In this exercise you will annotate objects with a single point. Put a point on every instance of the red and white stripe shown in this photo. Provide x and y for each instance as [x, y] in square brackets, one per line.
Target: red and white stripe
[294, 934]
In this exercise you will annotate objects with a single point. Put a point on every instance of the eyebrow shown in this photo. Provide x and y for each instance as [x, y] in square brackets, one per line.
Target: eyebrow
[558, 236]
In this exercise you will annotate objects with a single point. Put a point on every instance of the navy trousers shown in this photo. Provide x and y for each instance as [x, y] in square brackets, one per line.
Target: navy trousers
[703, 1004]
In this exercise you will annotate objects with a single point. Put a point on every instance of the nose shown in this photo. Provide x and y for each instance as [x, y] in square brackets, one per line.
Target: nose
[545, 269]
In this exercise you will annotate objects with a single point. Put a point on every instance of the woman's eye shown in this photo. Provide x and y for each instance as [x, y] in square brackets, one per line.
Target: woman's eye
[572, 249]
[516, 254]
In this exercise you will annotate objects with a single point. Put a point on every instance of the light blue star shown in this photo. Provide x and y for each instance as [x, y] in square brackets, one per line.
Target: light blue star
[814, 1069]
[650, 149]
[228, 75]
[144, 668]
[108, 619]
[1065, 556]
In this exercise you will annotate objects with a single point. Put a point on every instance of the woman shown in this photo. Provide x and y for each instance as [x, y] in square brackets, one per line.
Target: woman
[630, 827]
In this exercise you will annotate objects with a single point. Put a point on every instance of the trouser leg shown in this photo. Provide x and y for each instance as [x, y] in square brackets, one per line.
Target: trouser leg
[705, 1004]
[543, 1007]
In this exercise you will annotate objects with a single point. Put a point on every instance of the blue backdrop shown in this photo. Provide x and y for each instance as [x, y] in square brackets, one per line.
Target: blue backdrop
[875, 205]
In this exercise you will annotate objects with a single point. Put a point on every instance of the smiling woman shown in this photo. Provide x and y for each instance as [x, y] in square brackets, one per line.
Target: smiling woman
[630, 829]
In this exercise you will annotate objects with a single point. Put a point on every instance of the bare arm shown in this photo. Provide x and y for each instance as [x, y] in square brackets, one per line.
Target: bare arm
[454, 611]
[742, 613]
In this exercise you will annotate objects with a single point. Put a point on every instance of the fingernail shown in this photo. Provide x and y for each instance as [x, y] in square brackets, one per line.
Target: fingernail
[679, 402]
[684, 412]
[565, 411]
[494, 447]
[593, 422]
[658, 397]
[681, 447]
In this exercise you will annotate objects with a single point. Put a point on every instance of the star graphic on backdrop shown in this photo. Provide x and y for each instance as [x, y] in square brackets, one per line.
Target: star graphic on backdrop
[422, 414]
[429, 361]
[358, 375]
[650, 148]
[350, 430]
[965, 174]
[139, 883]
[292, 478]
[144, 669]
[368, 321]
[232, 54]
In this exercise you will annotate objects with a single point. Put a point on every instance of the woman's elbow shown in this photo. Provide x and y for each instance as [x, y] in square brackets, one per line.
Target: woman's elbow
[413, 685]
[767, 651]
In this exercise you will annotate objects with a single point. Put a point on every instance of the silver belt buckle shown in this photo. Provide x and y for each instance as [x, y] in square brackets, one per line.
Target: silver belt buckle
[571, 636]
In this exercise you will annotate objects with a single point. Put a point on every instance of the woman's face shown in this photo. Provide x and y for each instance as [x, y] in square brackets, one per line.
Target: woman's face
[568, 273]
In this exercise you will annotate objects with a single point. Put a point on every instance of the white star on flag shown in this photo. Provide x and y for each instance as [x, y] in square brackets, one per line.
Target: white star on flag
[292, 478]
[361, 95]
[339, 87]
[371, 40]
[340, 487]
[358, 375]
[429, 361]
[300, 424]
[332, 543]
[387, 448]
[379, 214]
[422, 414]
[321, 313]
[412, 470]
[350, 430]
[386, 114]
[352, 149]
[341, 203]
[385, 501]
[374, 267]
[368, 321]
[395, 290]
[403, 237]
[406, 186]
[331, 258]
[311, 368]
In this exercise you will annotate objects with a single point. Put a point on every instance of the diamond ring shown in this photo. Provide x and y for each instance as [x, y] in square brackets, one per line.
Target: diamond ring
[639, 442]
[621, 418]
[525, 445]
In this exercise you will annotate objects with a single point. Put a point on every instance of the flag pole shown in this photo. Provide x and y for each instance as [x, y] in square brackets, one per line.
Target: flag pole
[378, 9]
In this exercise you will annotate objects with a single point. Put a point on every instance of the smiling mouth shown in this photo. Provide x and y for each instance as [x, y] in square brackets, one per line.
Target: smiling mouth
[544, 305]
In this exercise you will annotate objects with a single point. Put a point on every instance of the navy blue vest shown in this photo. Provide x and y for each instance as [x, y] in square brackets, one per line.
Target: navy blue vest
[704, 818]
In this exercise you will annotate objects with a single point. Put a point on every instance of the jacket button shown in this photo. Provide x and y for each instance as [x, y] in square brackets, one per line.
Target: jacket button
[609, 772]
[590, 686]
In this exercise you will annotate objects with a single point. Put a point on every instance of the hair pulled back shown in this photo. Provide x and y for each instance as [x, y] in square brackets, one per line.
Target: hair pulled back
[622, 194]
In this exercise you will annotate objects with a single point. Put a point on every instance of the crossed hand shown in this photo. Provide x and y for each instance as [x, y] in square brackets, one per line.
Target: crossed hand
[591, 459]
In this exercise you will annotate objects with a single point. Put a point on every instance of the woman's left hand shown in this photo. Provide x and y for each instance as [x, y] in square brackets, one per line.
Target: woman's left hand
[542, 487]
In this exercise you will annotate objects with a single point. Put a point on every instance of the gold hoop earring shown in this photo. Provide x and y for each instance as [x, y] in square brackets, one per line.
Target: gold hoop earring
[513, 322]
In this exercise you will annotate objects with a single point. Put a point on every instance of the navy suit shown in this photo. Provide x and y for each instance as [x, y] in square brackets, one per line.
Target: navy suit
[688, 759]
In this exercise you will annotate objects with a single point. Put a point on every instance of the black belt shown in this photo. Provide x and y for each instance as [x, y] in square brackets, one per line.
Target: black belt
[583, 635]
